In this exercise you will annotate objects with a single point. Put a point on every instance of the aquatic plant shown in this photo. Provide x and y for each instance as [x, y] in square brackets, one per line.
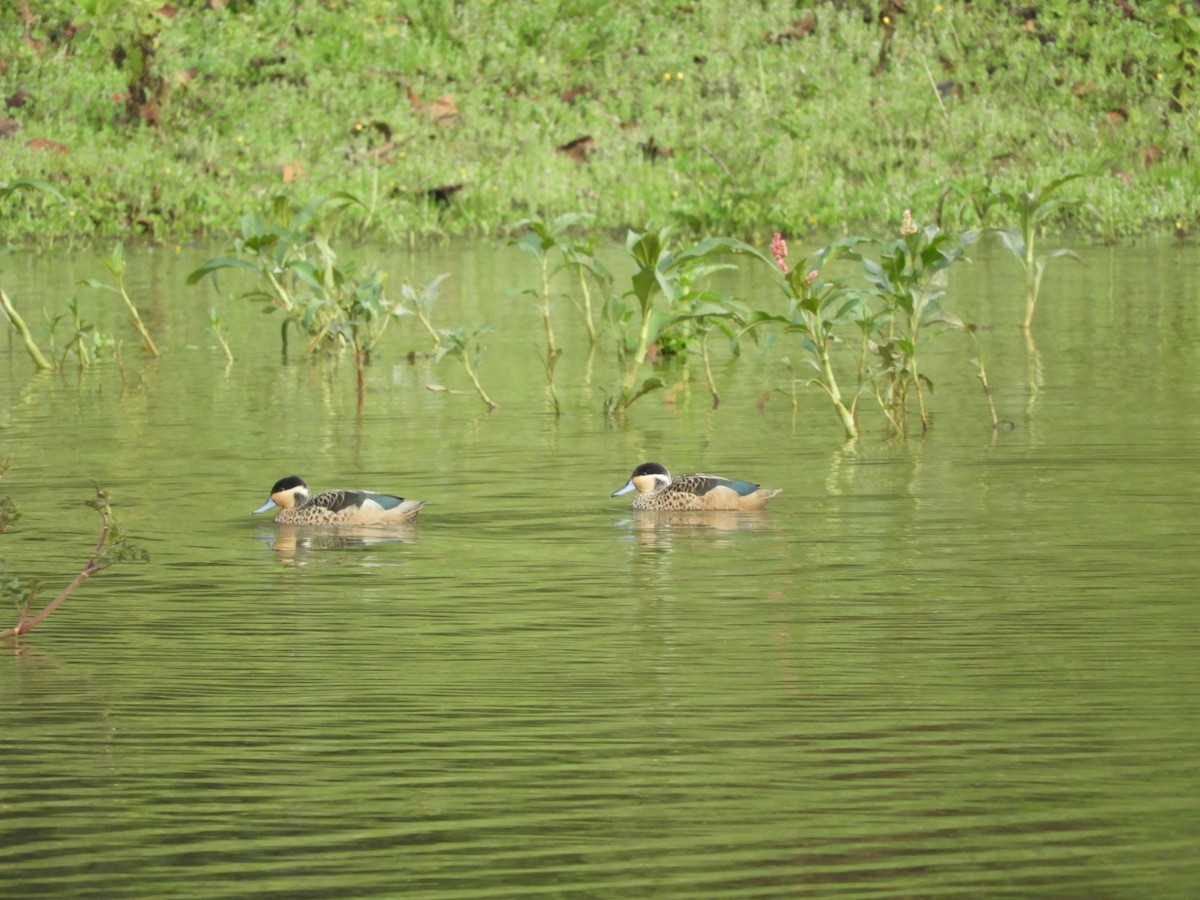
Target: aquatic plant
[464, 345]
[705, 317]
[116, 266]
[907, 280]
[111, 547]
[455, 341]
[290, 252]
[217, 327]
[819, 304]
[18, 325]
[421, 303]
[86, 341]
[541, 239]
[579, 258]
[892, 311]
[981, 372]
[15, 321]
[1033, 208]
[660, 272]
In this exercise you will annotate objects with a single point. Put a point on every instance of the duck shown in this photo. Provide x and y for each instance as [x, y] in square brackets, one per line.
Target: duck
[657, 490]
[298, 506]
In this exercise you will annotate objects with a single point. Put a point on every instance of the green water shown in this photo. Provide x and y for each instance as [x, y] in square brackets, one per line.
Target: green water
[963, 665]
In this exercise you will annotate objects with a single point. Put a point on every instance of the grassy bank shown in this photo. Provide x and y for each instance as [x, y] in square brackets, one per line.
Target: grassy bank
[455, 119]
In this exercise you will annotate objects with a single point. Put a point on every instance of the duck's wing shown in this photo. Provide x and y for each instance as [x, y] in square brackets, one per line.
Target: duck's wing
[701, 484]
[336, 501]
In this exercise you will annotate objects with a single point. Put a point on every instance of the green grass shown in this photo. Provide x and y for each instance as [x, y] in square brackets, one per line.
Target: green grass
[794, 134]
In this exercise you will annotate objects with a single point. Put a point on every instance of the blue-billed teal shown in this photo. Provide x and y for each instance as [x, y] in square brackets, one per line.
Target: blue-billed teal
[297, 506]
[656, 490]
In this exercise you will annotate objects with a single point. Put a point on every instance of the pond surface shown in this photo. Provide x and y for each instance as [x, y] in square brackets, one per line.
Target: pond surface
[960, 665]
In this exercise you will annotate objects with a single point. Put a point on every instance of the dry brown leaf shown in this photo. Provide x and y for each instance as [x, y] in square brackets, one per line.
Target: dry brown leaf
[442, 109]
[579, 149]
[43, 144]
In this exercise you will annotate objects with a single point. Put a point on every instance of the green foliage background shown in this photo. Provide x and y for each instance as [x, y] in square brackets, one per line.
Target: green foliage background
[714, 117]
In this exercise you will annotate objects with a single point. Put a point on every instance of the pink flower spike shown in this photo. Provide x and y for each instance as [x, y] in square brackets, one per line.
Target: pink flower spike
[779, 251]
[812, 276]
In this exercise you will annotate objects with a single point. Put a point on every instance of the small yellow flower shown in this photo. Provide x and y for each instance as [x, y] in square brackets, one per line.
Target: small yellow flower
[1158, 75]
[238, 139]
[937, 8]
[679, 76]
[166, 170]
[887, 20]
[666, 76]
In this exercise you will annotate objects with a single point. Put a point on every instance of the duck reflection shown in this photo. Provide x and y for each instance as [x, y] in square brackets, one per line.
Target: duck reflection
[294, 543]
[658, 528]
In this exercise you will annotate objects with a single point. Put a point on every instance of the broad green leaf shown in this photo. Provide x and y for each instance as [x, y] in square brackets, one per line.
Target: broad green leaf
[218, 263]
[30, 184]
[1014, 241]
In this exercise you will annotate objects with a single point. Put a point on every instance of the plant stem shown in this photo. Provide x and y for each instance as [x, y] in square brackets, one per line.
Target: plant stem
[829, 382]
[587, 306]
[137, 320]
[639, 356]
[544, 303]
[708, 375]
[987, 392]
[224, 344]
[25, 625]
[552, 351]
[22, 329]
[424, 320]
[1033, 280]
[475, 381]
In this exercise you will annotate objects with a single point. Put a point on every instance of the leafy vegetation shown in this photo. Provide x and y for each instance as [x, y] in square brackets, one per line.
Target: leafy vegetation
[14, 318]
[116, 267]
[450, 119]
[908, 282]
[464, 346]
[819, 307]
[641, 322]
[87, 342]
[299, 272]
[887, 317]
[112, 547]
[1032, 209]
